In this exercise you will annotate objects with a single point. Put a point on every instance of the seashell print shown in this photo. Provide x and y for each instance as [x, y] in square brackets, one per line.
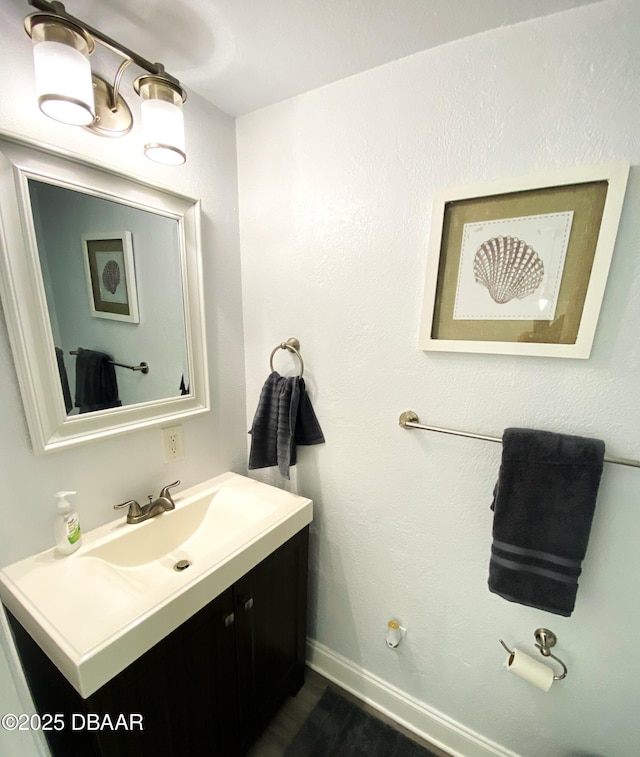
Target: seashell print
[111, 276]
[508, 267]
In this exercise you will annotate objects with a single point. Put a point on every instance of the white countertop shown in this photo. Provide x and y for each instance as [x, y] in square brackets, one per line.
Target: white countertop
[97, 610]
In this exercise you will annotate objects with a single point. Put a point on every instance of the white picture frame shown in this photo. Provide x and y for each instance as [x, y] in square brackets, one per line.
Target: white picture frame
[589, 199]
[111, 276]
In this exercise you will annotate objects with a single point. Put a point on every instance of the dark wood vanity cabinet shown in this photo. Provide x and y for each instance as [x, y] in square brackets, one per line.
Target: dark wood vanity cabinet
[271, 634]
[207, 689]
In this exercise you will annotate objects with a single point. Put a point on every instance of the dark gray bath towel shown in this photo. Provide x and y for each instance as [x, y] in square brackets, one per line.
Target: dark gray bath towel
[284, 418]
[543, 507]
[96, 384]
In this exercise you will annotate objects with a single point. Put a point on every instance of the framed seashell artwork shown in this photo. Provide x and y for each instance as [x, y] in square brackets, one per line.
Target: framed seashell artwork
[111, 275]
[520, 266]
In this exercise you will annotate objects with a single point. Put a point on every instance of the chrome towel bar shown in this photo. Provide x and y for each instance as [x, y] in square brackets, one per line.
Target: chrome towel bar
[409, 420]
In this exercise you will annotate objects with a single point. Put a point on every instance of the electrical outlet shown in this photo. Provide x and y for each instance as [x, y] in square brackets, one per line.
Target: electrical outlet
[173, 444]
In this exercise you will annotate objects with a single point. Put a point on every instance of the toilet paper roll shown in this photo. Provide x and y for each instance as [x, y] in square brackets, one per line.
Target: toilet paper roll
[530, 670]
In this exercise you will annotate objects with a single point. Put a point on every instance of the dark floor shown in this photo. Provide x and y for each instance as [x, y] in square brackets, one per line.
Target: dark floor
[293, 713]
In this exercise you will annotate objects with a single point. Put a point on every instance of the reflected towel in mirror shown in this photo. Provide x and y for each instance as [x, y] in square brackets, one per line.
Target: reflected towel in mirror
[64, 380]
[96, 383]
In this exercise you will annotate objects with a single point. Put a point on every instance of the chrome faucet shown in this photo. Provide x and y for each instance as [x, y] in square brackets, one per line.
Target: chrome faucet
[137, 513]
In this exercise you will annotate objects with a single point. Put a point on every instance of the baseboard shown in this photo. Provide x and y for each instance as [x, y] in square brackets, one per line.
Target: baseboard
[429, 724]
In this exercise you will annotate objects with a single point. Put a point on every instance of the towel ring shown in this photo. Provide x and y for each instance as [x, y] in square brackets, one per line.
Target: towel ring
[293, 345]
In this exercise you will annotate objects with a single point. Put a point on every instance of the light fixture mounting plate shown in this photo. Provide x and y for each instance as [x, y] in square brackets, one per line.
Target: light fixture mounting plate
[108, 122]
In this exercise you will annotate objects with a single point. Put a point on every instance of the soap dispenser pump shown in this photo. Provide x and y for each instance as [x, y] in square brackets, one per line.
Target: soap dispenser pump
[67, 529]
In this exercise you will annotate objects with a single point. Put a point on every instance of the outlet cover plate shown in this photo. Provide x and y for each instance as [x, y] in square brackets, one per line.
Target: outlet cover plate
[173, 443]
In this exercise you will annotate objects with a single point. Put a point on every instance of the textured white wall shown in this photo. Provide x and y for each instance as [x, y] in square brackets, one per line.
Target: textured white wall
[132, 465]
[335, 196]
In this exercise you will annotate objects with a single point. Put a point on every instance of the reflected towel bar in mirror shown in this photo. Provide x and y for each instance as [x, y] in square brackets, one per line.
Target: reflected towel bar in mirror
[409, 419]
[143, 367]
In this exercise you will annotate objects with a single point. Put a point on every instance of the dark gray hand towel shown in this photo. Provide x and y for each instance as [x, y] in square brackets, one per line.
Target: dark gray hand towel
[543, 507]
[96, 384]
[284, 418]
[308, 429]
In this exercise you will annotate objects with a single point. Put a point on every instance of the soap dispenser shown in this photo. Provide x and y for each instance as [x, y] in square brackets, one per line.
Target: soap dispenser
[67, 529]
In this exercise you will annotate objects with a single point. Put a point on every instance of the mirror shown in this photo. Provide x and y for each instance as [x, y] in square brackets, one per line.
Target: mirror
[101, 286]
[113, 282]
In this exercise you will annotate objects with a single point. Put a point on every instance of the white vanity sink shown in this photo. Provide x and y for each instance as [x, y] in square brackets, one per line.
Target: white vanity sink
[97, 610]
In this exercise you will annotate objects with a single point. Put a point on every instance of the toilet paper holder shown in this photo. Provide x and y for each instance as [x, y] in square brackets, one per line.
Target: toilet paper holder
[545, 640]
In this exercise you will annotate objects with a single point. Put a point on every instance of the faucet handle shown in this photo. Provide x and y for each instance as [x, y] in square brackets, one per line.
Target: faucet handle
[134, 507]
[165, 490]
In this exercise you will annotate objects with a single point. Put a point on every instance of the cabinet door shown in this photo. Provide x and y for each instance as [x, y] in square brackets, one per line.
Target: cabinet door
[52, 693]
[271, 609]
[186, 689]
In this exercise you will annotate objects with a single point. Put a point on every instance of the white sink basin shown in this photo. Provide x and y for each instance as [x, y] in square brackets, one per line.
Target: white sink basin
[193, 530]
[97, 610]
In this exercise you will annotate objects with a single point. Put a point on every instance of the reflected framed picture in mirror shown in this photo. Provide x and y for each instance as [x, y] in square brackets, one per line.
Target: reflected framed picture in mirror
[111, 276]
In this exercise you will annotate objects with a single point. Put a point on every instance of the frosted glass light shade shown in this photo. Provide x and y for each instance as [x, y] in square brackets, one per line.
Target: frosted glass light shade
[162, 121]
[62, 74]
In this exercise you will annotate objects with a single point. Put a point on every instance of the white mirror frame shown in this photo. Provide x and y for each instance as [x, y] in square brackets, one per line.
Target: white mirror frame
[25, 304]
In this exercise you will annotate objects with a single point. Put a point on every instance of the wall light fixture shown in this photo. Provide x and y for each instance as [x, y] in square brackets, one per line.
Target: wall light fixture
[70, 92]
